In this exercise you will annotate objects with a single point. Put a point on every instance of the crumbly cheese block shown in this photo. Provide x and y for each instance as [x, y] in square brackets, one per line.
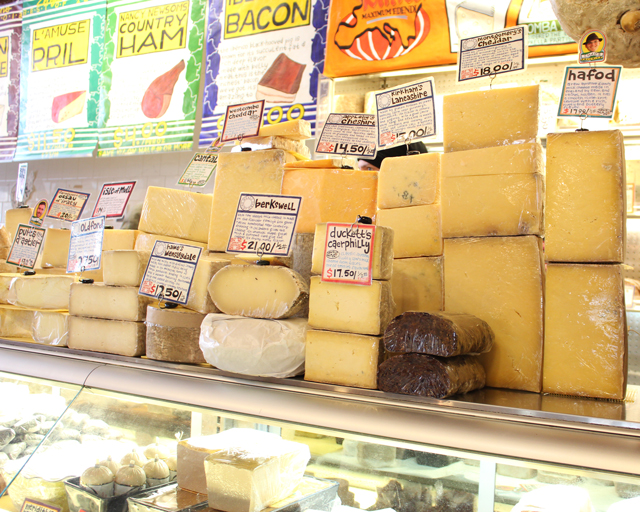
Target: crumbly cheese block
[382, 259]
[350, 307]
[495, 205]
[119, 239]
[417, 284]
[174, 335]
[342, 358]
[146, 241]
[298, 129]
[124, 267]
[41, 291]
[585, 197]
[50, 327]
[250, 171]
[275, 142]
[15, 322]
[331, 195]
[499, 280]
[497, 117]
[348, 103]
[409, 181]
[110, 336]
[258, 291]
[108, 302]
[177, 213]
[525, 158]
[585, 340]
[417, 230]
[199, 299]
[55, 248]
[5, 238]
[16, 216]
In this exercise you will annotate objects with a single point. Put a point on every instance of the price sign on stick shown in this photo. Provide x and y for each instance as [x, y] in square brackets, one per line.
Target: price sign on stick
[85, 247]
[67, 205]
[589, 91]
[242, 120]
[348, 134]
[21, 183]
[113, 199]
[348, 253]
[199, 170]
[26, 246]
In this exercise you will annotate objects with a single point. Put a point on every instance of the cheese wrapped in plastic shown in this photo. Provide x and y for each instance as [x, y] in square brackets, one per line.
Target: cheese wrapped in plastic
[173, 334]
[251, 346]
[5, 285]
[50, 327]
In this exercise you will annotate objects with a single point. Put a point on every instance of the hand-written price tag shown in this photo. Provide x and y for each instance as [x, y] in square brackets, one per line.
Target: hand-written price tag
[264, 224]
[170, 272]
[348, 253]
[30, 505]
[113, 199]
[406, 113]
[199, 170]
[21, 183]
[348, 134]
[243, 120]
[492, 54]
[67, 205]
[26, 246]
[589, 91]
[85, 247]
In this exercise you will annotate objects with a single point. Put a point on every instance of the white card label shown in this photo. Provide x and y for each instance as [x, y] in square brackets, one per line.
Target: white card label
[113, 199]
[199, 170]
[264, 224]
[26, 246]
[348, 253]
[348, 134]
[67, 205]
[406, 113]
[242, 120]
[589, 91]
[170, 272]
[21, 183]
[85, 247]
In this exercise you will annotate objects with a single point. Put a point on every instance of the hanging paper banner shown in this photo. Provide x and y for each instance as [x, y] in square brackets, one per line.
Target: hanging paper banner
[151, 75]
[263, 50]
[60, 78]
[10, 44]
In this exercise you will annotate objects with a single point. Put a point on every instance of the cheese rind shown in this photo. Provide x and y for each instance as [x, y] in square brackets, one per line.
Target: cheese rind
[110, 336]
[174, 335]
[124, 267]
[409, 181]
[585, 341]
[109, 302]
[50, 327]
[55, 249]
[41, 291]
[417, 230]
[513, 159]
[417, 284]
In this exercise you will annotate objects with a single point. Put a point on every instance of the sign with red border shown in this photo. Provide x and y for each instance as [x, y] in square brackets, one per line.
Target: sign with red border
[113, 199]
[242, 120]
[67, 205]
[348, 253]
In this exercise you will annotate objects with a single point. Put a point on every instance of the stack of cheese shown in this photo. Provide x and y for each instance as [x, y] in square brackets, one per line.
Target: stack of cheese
[344, 346]
[585, 346]
[6, 239]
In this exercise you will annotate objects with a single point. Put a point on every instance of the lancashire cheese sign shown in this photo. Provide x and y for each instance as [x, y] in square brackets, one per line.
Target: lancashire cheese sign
[270, 50]
[10, 44]
[60, 77]
[152, 76]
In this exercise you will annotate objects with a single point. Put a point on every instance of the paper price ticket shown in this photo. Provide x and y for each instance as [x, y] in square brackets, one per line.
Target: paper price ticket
[85, 246]
[113, 199]
[348, 253]
[67, 205]
[26, 246]
[242, 120]
[589, 91]
[348, 134]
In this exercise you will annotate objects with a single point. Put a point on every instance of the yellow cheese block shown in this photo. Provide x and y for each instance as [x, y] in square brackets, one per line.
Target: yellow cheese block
[585, 197]
[146, 241]
[290, 145]
[585, 340]
[5, 238]
[342, 358]
[513, 159]
[109, 302]
[344, 162]
[17, 216]
[417, 230]
[250, 171]
[15, 321]
[495, 205]
[6, 278]
[417, 284]
[409, 181]
[119, 239]
[55, 249]
[176, 213]
[298, 129]
[499, 280]
[497, 117]
[331, 195]
[110, 336]
[199, 299]
[124, 267]
[41, 291]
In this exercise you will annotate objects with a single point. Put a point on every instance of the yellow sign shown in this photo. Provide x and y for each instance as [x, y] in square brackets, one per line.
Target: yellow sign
[60, 46]
[4, 56]
[154, 29]
[247, 17]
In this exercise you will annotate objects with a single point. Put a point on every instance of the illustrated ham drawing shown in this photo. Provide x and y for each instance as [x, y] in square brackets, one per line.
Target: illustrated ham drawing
[157, 97]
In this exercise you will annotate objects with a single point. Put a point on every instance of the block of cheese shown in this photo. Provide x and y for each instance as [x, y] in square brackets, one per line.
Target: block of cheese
[124, 267]
[15, 322]
[50, 327]
[500, 280]
[108, 302]
[348, 103]
[119, 239]
[585, 197]
[293, 146]
[199, 299]
[17, 216]
[350, 307]
[409, 181]
[382, 259]
[495, 205]
[342, 358]
[344, 162]
[41, 291]
[417, 284]
[110, 336]
[417, 230]
[5, 238]
[173, 334]
[258, 291]
[176, 213]
[146, 241]
[55, 249]
[6, 278]
[513, 159]
[585, 340]
[331, 195]
[250, 171]
[298, 129]
[497, 117]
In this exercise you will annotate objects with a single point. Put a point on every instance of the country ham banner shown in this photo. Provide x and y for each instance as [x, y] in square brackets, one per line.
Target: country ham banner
[10, 43]
[263, 49]
[151, 76]
[59, 80]
[367, 36]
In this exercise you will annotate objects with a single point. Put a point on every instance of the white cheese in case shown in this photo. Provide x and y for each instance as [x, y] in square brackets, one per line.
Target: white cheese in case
[41, 291]
[15, 322]
[109, 302]
[417, 284]
[50, 327]
[110, 336]
[124, 268]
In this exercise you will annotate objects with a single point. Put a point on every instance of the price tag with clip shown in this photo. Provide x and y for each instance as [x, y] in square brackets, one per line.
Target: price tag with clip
[348, 253]
[169, 273]
[113, 199]
[589, 91]
[67, 205]
[26, 246]
[348, 134]
[30, 505]
[21, 183]
[85, 247]
[242, 120]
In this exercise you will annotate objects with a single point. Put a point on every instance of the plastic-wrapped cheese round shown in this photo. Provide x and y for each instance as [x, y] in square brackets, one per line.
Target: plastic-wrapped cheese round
[157, 472]
[138, 459]
[96, 475]
[156, 450]
[111, 464]
[128, 478]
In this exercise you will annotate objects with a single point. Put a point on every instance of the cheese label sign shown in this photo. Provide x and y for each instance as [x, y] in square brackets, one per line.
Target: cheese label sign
[10, 55]
[349, 135]
[170, 272]
[589, 91]
[348, 253]
[26, 246]
[85, 247]
[67, 205]
[113, 199]
[243, 120]
[264, 224]
[30, 505]
[21, 183]
[199, 170]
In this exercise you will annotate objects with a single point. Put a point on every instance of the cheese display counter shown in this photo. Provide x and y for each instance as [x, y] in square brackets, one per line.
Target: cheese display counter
[62, 411]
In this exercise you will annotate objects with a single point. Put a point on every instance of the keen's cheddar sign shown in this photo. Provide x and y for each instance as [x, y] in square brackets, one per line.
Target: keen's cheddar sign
[367, 36]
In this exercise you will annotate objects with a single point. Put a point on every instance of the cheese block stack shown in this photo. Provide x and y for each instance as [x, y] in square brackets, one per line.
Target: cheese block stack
[344, 345]
[409, 202]
[492, 190]
[585, 346]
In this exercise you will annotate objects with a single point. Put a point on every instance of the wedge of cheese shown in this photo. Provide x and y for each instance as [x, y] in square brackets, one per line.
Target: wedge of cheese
[409, 181]
[199, 299]
[16, 216]
[417, 284]
[108, 302]
[55, 249]
[124, 267]
[324, 163]
[417, 230]
[119, 239]
[50, 327]
[146, 241]
[276, 142]
[298, 129]
[41, 291]
[110, 336]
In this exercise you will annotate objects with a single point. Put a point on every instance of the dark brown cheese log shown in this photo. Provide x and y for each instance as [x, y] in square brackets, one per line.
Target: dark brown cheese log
[438, 334]
[435, 377]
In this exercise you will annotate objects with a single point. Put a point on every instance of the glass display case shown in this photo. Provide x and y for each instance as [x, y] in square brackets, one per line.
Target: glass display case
[63, 410]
